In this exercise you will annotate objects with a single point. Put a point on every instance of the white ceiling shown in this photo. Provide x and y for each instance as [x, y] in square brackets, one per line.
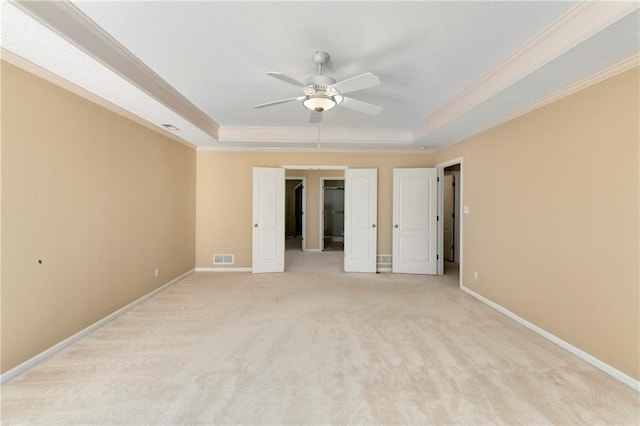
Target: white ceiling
[448, 69]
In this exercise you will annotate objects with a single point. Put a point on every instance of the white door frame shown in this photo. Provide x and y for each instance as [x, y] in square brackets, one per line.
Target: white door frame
[441, 167]
[304, 206]
[321, 208]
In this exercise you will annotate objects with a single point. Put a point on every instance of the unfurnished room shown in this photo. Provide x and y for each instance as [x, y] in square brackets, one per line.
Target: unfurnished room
[318, 213]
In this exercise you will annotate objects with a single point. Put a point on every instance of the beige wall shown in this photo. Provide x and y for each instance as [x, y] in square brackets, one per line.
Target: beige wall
[99, 200]
[554, 218]
[553, 228]
[223, 211]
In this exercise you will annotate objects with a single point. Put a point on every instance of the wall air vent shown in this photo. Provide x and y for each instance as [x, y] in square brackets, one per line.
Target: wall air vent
[383, 259]
[223, 259]
[170, 127]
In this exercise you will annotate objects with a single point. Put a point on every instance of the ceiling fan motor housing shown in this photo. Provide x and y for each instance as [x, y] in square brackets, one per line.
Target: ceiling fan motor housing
[319, 80]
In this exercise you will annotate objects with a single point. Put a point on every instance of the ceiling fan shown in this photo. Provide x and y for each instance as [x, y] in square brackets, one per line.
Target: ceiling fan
[322, 92]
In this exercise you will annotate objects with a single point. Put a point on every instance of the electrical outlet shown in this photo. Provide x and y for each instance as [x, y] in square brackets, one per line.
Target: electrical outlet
[156, 272]
[476, 276]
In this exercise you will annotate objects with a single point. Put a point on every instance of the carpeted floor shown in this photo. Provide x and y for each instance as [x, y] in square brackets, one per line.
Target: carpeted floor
[315, 346]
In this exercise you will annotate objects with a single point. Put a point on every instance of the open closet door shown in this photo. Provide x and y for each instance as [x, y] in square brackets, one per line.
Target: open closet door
[268, 220]
[415, 227]
[360, 220]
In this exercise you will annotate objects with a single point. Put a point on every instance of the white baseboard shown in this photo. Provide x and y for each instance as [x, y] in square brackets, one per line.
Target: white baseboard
[616, 374]
[16, 371]
[223, 269]
[313, 250]
[384, 270]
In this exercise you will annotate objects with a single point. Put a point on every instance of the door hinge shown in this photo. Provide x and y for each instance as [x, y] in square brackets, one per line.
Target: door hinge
[437, 218]
[438, 179]
[437, 257]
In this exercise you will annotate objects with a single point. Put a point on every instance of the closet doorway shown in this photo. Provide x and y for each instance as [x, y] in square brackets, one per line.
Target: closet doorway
[452, 209]
[295, 202]
[451, 216]
[331, 214]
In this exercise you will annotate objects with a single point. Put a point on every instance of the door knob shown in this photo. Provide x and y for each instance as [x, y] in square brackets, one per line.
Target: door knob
[395, 226]
[373, 226]
[255, 226]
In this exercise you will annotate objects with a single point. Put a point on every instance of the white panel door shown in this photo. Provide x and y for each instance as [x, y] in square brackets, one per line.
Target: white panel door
[268, 220]
[415, 232]
[360, 220]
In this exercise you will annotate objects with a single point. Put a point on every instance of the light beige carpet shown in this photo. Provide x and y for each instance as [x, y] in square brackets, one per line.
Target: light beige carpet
[315, 346]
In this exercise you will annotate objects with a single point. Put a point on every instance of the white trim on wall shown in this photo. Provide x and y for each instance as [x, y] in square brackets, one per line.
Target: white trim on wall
[30, 363]
[616, 374]
[613, 372]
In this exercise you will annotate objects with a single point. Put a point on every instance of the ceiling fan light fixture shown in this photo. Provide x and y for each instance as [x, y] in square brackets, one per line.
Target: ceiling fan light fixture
[319, 102]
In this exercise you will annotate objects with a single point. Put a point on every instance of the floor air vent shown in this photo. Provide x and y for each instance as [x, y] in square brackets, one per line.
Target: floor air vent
[223, 259]
[383, 259]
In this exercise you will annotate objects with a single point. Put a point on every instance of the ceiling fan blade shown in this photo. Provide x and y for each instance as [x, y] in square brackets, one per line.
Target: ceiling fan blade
[361, 106]
[286, 79]
[359, 82]
[281, 101]
[315, 117]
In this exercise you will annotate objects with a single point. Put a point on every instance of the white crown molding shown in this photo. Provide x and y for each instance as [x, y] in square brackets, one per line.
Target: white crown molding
[315, 149]
[69, 22]
[303, 167]
[609, 72]
[578, 24]
[313, 135]
[222, 269]
[267, 134]
[615, 69]
[47, 75]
